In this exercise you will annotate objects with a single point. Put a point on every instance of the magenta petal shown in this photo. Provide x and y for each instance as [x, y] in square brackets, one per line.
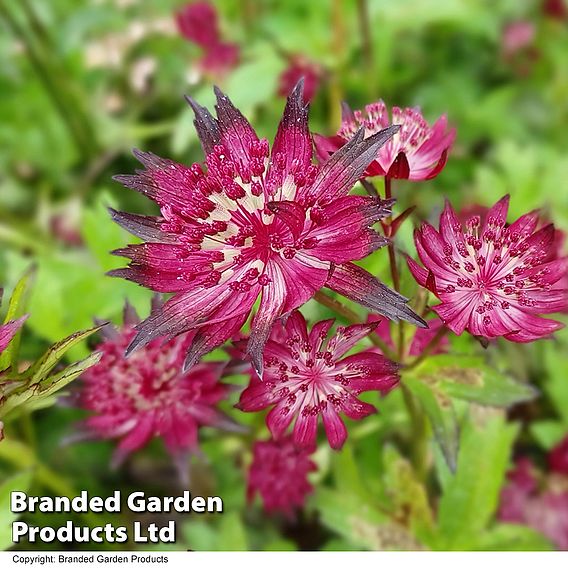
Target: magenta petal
[293, 141]
[334, 428]
[345, 167]
[236, 133]
[305, 430]
[8, 330]
[278, 420]
[270, 309]
[142, 226]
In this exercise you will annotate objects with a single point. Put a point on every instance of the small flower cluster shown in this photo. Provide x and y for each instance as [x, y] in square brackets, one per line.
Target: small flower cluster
[537, 499]
[149, 395]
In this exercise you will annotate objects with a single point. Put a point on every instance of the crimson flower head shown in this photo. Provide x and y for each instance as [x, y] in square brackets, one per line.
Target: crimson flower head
[148, 395]
[308, 377]
[417, 151]
[300, 67]
[198, 23]
[279, 474]
[9, 329]
[255, 222]
[422, 336]
[492, 279]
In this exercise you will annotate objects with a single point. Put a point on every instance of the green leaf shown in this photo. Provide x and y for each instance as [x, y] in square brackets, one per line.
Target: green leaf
[510, 538]
[470, 378]
[471, 497]
[232, 533]
[440, 411]
[199, 535]
[43, 366]
[57, 381]
[408, 496]
[548, 433]
[16, 309]
[19, 482]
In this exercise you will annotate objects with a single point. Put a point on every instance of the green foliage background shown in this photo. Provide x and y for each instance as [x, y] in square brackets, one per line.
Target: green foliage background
[67, 126]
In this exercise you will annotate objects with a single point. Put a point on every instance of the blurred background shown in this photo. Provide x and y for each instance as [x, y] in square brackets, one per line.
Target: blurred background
[82, 83]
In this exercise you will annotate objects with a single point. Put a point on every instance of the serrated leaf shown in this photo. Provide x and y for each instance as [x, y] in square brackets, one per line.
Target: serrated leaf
[43, 366]
[57, 381]
[440, 411]
[19, 482]
[16, 309]
[471, 496]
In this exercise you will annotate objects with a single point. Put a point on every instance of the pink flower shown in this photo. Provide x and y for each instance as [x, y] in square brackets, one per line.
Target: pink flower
[279, 474]
[148, 395]
[516, 37]
[298, 68]
[538, 501]
[9, 329]
[417, 151]
[422, 336]
[256, 223]
[492, 278]
[198, 23]
[558, 457]
[307, 377]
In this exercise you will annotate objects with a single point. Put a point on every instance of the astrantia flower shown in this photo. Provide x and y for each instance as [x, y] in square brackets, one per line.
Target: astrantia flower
[307, 377]
[9, 329]
[148, 395]
[422, 336]
[417, 151]
[492, 278]
[537, 500]
[279, 474]
[255, 223]
[300, 67]
[198, 23]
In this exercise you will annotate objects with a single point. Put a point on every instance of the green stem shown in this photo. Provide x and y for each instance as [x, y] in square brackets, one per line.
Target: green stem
[53, 84]
[353, 318]
[419, 440]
